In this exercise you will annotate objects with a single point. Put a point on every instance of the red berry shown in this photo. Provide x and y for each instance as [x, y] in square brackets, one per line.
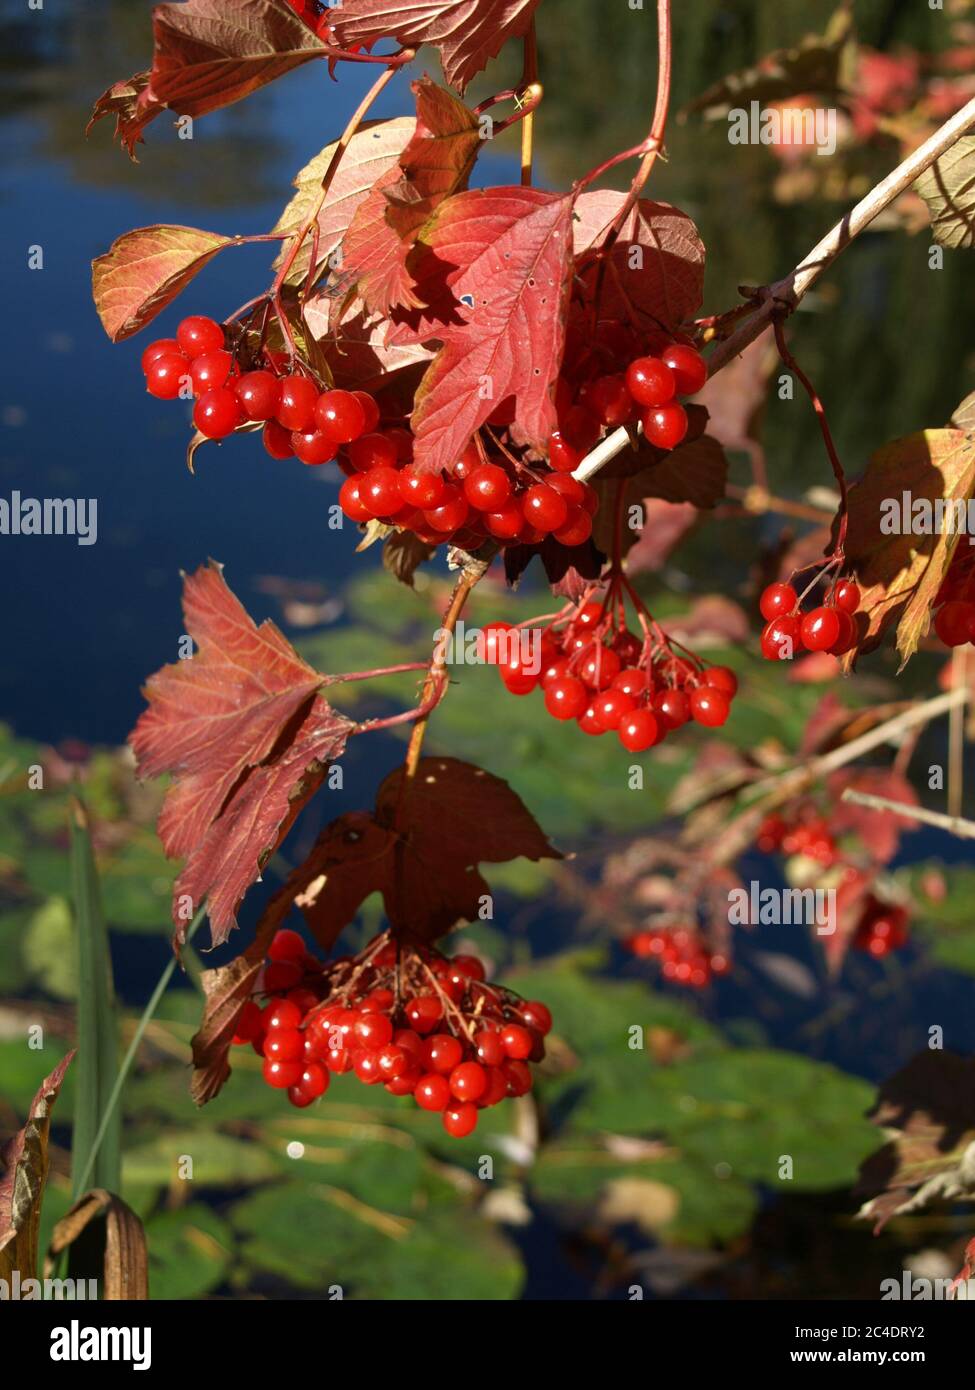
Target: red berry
[953, 622]
[282, 1014]
[468, 1081]
[508, 523]
[296, 406]
[576, 529]
[650, 382]
[259, 394]
[777, 601]
[544, 508]
[610, 401]
[452, 512]
[631, 681]
[379, 491]
[426, 491]
[314, 448]
[487, 487]
[517, 680]
[249, 1023]
[722, 678]
[518, 1075]
[490, 1050]
[366, 1067]
[277, 440]
[638, 731]
[846, 596]
[580, 428]
[491, 644]
[566, 697]
[432, 1092]
[351, 500]
[819, 629]
[373, 1031]
[516, 1041]
[198, 334]
[394, 1062]
[210, 370]
[610, 707]
[589, 616]
[313, 1081]
[688, 366]
[217, 413]
[600, 667]
[709, 706]
[442, 1053]
[781, 639]
[849, 633]
[538, 1016]
[162, 347]
[424, 1013]
[372, 451]
[287, 945]
[165, 375]
[340, 415]
[666, 426]
[563, 456]
[460, 1120]
[281, 1075]
[370, 410]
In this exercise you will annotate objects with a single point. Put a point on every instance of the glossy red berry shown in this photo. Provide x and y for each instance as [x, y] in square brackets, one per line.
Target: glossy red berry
[631, 681]
[688, 366]
[576, 529]
[562, 455]
[777, 601]
[487, 487]
[460, 1120]
[281, 1075]
[442, 1053]
[372, 451]
[819, 629]
[672, 708]
[314, 448]
[638, 731]
[490, 1049]
[452, 512]
[722, 678]
[610, 401]
[516, 1041]
[162, 347]
[709, 706]
[424, 1012]
[210, 370]
[468, 1081]
[954, 624]
[217, 413]
[492, 645]
[425, 491]
[544, 508]
[666, 426]
[166, 374]
[379, 491]
[518, 1075]
[432, 1091]
[198, 334]
[650, 382]
[610, 708]
[287, 945]
[277, 440]
[281, 1014]
[599, 668]
[517, 679]
[781, 639]
[846, 595]
[340, 415]
[508, 523]
[566, 697]
[296, 405]
[259, 394]
[538, 1016]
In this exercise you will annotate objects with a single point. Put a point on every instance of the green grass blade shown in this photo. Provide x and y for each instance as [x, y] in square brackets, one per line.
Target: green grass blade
[97, 1061]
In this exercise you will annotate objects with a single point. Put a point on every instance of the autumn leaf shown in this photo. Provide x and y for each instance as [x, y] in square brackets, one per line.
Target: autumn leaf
[420, 848]
[879, 831]
[656, 267]
[209, 53]
[144, 270]
[247, 740]
[434, 165]
[24, 1159]
[371, 154]
[926, 1109]
[900, 572]
[132, 105]
[948, 188]
[964, 416]
[495, 269]
[469, 33]
[353, 343]
[403, 553]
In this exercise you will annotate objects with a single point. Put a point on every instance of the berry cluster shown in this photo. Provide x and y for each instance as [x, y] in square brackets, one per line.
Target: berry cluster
[683, 954]
[419, 1023]
[954, 622]
[807, 834]
[829, 627]
[299, 420]
[593, 670]
[882, 928]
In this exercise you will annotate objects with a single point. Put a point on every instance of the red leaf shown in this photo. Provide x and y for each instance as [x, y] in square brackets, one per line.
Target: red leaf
[210, 53]
[433, 166]
[144, 270]
[879, 831]
[246, 739]
[24, 1163]
[468, 32]
[496, 269]
[420, 849]
[133, 107]
[656, 267]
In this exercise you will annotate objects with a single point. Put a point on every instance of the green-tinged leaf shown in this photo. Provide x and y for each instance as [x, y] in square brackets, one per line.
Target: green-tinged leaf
[206, 1157]
[13, 970]
[50, 949]
[93, 1163]
[144, 270]
[948, 188]
[190, 1252]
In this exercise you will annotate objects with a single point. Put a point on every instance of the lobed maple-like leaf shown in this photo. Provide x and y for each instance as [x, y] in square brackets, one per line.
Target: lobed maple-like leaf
[24, 1163]
[469, 33]
[371, 154]
[655, 270]
[144, 270]
[420, 849]
[900, 573]
[434, 165]
[247, 739]
[495, 270]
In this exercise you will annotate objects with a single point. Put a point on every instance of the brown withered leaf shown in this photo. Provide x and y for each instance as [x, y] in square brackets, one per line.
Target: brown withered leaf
[420, 848]
[247, 739]
[403, 553]
[133, 107]
[105, 1240]
[928, 1111]
[900, 574]
[25, 1165]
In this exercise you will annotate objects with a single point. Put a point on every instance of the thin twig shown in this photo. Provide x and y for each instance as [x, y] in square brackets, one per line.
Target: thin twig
[955, 825]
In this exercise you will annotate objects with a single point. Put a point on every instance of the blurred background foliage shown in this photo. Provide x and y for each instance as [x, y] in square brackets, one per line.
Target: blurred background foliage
[656, 1165]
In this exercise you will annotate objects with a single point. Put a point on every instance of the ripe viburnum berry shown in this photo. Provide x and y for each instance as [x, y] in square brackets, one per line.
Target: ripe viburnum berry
[666, 426]
[566, 697]
[778, 600]
[217, 413]
[487, 487]
[165, 375]
[259, 394]
[340, 415]
[198, 334]
[819, 629]
[650, 382]
[688, 366]
[296, 405]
